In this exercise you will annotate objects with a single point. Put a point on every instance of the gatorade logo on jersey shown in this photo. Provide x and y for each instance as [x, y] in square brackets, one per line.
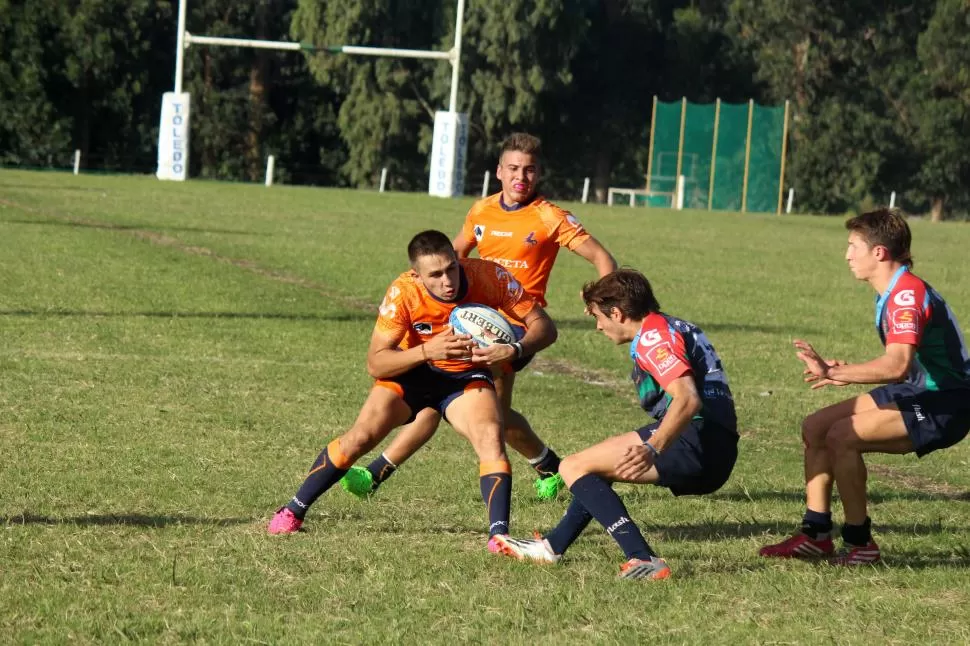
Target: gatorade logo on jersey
[905, 297]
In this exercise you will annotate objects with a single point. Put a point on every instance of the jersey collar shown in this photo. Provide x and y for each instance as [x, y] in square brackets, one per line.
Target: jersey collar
[882, 298]
[515, 207]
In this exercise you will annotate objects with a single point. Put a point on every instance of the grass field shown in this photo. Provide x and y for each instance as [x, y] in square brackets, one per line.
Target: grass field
[173, 357]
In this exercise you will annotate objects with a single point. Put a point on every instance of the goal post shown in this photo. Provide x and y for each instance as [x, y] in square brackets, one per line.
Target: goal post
[449, 147]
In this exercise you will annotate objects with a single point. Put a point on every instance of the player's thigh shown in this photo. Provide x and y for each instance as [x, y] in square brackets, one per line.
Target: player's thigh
[476, 415]
[600, 459]
[504, 383]
[880, 430]
[383, 410]
[423, 426]
[816, 426]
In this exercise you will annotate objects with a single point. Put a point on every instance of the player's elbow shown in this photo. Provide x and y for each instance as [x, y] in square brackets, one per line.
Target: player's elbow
[375, 369]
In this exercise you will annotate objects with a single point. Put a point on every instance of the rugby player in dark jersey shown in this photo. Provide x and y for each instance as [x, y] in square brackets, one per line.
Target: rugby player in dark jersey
[923, 406]
[690, 449]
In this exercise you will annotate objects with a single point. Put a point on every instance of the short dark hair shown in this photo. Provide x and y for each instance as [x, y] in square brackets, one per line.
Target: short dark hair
[430, 243]
[523, 143]
[624, 289]
[886, 228]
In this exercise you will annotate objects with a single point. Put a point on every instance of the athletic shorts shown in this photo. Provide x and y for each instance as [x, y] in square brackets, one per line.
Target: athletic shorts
[699, 461]
[426, 387]
[935, 419]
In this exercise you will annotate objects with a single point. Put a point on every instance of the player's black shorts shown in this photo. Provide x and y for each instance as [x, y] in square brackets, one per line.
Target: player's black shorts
[426, 387]
[935, 419]
[699, 462]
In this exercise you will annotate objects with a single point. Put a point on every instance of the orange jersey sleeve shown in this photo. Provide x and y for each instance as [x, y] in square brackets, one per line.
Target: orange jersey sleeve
[393, 315]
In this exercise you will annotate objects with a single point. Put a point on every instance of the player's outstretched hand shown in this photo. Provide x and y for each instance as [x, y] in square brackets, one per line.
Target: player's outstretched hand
[449, 345]
[634, 463]
[816, 368]
[494, 354]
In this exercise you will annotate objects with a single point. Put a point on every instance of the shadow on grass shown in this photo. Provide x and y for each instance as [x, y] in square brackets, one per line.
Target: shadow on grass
[342, 316]
[134, 227]
[874, 496]
[135, 520]
[587, 324]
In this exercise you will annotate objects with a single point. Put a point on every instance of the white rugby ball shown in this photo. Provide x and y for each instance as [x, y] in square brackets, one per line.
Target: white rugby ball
[485, 325]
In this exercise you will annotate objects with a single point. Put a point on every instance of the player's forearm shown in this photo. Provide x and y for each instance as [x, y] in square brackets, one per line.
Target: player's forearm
[604, 263]
[679, 414]
[384, 364]
[540, 335]
[886, 369]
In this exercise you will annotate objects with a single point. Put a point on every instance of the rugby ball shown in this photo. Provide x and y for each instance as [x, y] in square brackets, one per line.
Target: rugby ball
[485, 325]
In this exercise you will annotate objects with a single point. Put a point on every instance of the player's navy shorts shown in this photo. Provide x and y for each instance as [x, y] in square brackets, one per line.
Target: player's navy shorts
[699, 462]
[935, 419]
[426, 387]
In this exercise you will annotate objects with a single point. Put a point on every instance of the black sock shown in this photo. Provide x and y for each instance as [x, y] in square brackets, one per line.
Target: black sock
[323, 474]
[857, 535]
[496, 488]
[572, 524]
[817, 524]
[606, 507]
[547, 464]
[381, 469]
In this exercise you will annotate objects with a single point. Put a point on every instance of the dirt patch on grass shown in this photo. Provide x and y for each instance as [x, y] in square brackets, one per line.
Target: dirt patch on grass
[918, 483]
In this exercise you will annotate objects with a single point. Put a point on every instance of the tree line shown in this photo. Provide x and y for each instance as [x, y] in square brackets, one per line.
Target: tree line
[879, 91]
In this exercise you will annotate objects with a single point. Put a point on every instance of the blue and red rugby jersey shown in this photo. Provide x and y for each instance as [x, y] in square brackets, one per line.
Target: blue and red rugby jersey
[910, 311]
[667, 348]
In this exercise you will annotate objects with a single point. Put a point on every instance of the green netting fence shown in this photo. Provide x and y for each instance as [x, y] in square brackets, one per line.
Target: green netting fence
[732, 157]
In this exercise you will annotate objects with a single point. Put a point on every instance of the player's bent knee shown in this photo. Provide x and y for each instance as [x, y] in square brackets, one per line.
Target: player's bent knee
[814, 431]
[572, 467]
[361, 439]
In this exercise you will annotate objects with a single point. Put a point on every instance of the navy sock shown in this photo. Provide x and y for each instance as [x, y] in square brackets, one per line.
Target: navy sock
[496, 490]
[816, 524]
[857, 535]
[547, 464]
[572, 524]
[381, 469]
[606, 507]
[323, 474]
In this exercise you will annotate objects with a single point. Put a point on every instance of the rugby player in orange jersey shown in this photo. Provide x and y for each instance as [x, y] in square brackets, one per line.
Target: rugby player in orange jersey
[522, 231]
[438, 370]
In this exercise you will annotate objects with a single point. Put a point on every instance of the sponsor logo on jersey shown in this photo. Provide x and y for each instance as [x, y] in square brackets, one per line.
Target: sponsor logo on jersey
[422, 328]
[531, 239]
[511, 264]
[905, 321]
[502, 234]
[905, 297]
[662, 358]
[650, 337]
[571, 219]
[479, 232]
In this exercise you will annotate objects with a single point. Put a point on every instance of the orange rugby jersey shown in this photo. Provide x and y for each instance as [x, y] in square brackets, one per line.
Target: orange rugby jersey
[410, 315]
[524, 240]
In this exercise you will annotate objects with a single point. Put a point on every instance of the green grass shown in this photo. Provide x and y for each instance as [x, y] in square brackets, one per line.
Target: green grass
[173, 357]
